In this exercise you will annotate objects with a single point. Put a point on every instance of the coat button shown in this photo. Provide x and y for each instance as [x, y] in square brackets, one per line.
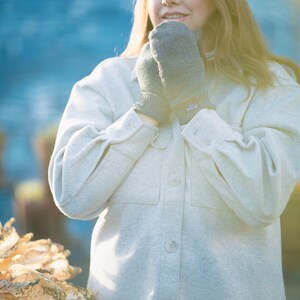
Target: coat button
[207, 142]
[174, 181]
[130, 124]
[171, 246]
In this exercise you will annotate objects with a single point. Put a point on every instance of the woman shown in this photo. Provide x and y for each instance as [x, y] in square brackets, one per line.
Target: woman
[186, 148]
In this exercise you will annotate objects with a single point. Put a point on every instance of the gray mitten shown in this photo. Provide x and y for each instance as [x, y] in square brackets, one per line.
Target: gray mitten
[175, 48]
[153, 102]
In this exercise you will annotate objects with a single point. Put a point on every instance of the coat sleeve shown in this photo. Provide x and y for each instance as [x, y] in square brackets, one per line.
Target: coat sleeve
[253, 170]
[93, 153]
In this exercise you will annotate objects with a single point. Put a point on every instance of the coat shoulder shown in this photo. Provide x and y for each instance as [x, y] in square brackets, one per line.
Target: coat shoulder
[283, 75]
[115, 66]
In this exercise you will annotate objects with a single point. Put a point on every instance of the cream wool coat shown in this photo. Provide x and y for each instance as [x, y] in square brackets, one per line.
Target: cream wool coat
[184, 212]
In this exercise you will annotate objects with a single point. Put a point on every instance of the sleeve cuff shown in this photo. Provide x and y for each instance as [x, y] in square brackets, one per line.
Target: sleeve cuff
[206, 132]
[186, 110]
[153, 106]
[130, 135]
[126, 126]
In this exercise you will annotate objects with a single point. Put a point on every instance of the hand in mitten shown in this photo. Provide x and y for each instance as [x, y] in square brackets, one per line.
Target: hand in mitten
[153, 102]
[175, 48]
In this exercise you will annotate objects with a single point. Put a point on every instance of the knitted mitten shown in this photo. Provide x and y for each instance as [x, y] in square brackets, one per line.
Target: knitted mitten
[174, 47]
[153, 102]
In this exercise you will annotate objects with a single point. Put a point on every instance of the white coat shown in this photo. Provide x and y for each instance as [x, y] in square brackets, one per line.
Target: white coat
[184, 212]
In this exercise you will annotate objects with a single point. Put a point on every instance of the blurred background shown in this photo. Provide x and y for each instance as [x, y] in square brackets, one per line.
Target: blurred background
[45, 47]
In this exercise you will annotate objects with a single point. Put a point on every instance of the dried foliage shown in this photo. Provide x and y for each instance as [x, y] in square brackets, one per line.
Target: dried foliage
[35, 269]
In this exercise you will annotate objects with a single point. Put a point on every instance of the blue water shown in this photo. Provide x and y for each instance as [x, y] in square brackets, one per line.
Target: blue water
[45, 47]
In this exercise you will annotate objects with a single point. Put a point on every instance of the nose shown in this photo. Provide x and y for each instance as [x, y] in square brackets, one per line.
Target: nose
[169, 2]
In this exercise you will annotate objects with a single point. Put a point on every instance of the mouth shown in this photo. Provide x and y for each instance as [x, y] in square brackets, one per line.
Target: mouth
[174, 16]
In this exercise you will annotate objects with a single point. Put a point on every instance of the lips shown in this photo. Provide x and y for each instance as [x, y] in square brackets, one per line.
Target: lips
[173, 15]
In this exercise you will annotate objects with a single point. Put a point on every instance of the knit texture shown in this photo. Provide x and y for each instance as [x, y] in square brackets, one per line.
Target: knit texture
[153, 102]
[154, 107]
[175, 48]
[186, 110]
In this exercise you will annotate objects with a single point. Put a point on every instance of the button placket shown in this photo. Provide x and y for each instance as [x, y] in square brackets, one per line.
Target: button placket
[174, 179]
[172, 215]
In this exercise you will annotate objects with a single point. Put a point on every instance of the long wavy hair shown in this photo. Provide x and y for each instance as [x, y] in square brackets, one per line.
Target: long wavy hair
[240, 51]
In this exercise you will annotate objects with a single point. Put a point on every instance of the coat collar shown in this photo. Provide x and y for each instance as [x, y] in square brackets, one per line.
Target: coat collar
[133, 75]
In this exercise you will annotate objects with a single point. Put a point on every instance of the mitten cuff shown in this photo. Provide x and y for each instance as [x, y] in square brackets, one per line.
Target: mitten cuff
[186, 110]
[153, 106]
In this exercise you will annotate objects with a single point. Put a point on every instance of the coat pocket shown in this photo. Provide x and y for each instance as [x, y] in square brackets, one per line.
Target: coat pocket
[142, 184]
[203, 194]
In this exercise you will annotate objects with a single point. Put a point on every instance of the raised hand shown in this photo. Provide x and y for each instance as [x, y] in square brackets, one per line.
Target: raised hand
[174, 47]
[153, 102]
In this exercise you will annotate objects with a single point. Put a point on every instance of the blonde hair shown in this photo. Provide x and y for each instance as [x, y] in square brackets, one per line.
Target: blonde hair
[241, 52]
